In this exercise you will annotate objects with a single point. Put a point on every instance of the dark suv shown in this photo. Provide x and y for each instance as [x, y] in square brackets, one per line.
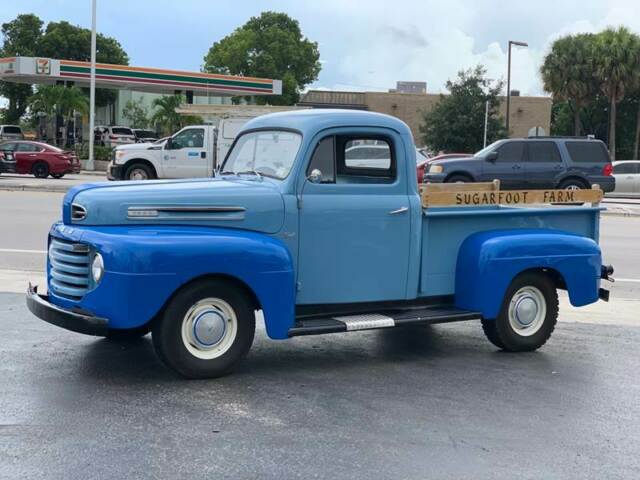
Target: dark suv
[531, 163]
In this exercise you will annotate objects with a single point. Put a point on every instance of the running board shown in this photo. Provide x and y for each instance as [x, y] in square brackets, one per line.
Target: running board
[369, 321]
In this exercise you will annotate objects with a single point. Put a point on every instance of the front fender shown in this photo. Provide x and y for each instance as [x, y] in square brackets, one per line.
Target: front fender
[144, 266]
[489, 261]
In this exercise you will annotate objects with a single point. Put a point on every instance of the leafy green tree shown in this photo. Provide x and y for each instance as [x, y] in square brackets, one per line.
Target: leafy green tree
[456, 123]
[269, 46]
[71, 42]
[616, 56]
[21, 37]
[66, 101]
[166, 117]
[567, 73]
[136, 113]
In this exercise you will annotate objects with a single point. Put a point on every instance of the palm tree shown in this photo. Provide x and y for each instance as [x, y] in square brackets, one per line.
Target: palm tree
[567, 73]
[52, 99]
[616, 55]
[165, 114]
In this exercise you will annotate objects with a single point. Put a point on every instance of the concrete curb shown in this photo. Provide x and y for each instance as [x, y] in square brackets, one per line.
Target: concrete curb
[18, 187]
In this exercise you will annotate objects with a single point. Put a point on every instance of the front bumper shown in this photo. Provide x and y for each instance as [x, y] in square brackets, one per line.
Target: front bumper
[79, 322]
[434, 177]
[115, 172]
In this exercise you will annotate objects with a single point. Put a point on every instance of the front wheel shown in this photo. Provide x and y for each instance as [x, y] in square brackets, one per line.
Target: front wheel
[206, 329]
[139, 171]
[528, 315]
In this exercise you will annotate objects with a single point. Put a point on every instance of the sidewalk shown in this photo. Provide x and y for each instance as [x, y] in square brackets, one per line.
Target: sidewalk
[29, 183]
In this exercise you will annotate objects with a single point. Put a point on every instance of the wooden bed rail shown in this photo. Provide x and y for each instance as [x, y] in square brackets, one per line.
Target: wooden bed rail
[489, 193]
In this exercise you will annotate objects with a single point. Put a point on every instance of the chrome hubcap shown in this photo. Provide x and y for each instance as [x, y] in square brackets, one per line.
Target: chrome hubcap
[138, 174]
[527, 311]
[209, 328]
[572, 188]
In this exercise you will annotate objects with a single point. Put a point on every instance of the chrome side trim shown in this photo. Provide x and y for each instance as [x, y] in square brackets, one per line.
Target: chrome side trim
[153, 211]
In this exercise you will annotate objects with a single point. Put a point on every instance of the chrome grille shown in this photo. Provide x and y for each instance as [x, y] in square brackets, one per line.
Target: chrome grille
[68, 268]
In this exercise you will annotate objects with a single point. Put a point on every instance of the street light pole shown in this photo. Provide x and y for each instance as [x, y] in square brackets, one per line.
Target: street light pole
[518, 44]
[92, 87]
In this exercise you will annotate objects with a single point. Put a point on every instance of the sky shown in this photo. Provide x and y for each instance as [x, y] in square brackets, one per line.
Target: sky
[364, 45]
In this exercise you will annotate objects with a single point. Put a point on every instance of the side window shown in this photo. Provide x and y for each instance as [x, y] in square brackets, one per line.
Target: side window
[544, 152]
[588, 151]
[324, 159]
[25, 147]
[511, 152]
[628, 168]
[8, 147]
[190, 138]
[364, 160]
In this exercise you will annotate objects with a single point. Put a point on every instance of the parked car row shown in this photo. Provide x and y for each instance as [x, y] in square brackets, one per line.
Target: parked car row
[37, 158]
[627, 175]
[114, 136]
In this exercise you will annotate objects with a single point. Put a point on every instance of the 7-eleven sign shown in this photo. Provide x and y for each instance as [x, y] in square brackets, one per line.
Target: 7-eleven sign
[43, 66]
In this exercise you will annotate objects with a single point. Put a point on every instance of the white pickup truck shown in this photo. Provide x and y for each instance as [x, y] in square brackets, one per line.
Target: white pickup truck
[193, 151]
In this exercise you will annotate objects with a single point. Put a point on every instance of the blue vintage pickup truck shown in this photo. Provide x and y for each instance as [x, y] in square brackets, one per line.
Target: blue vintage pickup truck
[315, 219]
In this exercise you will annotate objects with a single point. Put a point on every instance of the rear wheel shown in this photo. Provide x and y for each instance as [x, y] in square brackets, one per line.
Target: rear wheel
[206, 329]
[528, 315]
[573, 184]
[40, 170]
[458, 179]
[139, 171]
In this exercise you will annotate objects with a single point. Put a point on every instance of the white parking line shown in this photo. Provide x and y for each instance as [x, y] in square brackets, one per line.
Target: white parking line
[628, 280]
[17, 250]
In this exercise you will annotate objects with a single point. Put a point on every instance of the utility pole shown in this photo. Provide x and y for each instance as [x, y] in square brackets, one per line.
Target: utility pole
[486, 121]
[517, 44]
[92, 88]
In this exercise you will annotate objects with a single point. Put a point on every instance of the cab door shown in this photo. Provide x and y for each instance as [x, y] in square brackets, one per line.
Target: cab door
[355, 222]
[186, 155]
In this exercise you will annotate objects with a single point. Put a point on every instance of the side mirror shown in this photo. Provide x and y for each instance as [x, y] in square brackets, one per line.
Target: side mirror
[168, 145]
[315, 176]
[492, 156]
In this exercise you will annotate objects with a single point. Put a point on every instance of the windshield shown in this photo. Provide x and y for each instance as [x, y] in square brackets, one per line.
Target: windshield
[487, 149]
[270, 153]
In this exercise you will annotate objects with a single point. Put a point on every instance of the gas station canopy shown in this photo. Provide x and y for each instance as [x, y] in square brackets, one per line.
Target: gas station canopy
[49, 71]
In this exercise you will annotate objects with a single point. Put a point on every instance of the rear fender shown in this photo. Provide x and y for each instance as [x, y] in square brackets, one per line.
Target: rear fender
[489, 261]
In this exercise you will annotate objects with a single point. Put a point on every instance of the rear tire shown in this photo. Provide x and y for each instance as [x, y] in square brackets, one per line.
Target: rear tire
[206, 329]
[458, 179]
[573, 184]
[139, 171]
[528, 315]
[40, 170]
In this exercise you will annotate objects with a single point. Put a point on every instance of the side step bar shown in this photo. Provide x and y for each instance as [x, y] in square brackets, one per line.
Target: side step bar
[369, 321]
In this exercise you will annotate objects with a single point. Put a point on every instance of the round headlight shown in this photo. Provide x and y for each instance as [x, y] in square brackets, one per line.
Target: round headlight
[97, 268]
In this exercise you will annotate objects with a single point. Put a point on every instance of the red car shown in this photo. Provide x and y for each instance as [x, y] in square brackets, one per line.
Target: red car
[41, 159]
[422, 163]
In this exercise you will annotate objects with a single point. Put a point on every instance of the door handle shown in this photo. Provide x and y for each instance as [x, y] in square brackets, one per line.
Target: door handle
[400, 210]
[203, 154]
[516, 167]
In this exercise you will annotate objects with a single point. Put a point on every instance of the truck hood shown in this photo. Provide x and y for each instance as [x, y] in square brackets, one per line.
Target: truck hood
[230, 202]
[135, 146]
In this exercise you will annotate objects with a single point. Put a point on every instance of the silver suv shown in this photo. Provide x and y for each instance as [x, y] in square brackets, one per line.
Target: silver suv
[11, 132]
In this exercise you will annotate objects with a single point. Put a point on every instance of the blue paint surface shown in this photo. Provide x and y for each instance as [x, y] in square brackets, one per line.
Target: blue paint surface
[488, 261]
[144, 266]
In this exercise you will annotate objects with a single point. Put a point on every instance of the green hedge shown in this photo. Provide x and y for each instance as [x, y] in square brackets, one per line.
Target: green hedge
[99, 153]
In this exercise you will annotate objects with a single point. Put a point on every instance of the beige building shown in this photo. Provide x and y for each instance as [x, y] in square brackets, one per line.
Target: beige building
[526, 112]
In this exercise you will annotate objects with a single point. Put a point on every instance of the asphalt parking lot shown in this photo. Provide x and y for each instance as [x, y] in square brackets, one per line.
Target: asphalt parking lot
[435, 402]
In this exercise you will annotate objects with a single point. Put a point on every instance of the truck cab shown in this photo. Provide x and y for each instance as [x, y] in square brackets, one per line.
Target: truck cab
[314, 218]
